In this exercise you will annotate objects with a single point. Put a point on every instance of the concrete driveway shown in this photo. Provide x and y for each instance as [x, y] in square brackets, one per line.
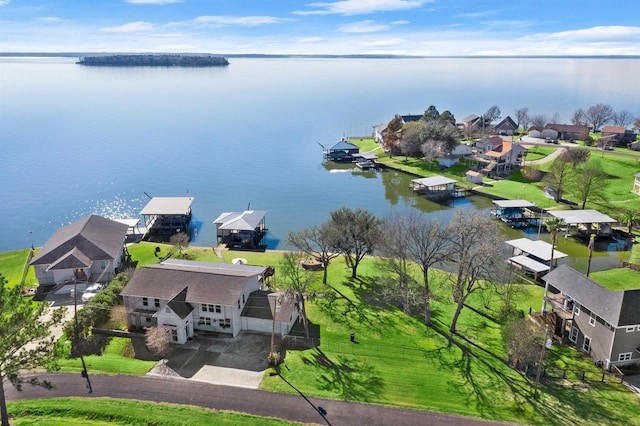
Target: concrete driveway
[219, 359]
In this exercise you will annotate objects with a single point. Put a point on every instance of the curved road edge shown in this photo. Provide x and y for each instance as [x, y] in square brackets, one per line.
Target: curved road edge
[250, 401]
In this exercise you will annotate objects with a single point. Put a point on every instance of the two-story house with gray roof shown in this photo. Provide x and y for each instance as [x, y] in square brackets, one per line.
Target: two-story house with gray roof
[187, 296]
[90, 249]
[601, 322]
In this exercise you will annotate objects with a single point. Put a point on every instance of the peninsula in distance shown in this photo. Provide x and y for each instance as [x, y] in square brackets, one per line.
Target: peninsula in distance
[154, 61]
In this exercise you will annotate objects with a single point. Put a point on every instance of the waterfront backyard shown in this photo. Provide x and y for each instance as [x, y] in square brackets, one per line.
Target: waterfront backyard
[396, 360]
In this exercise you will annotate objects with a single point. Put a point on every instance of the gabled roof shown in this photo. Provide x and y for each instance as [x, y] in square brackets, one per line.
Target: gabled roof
[179, 305]
[469, 119]
[619, 308]
[614, 129]
[343, 145]
[73, 259]
[242, 221]
[538, 248]
[88, 239]
[507, 123]
[203, 284]
[500, 151]
[170, 206]
[262, 304]
[411, 117]
[570, 128]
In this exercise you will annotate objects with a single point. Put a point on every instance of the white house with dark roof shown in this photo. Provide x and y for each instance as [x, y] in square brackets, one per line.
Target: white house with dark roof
[90, 249]
[601, 322]
[187, 296]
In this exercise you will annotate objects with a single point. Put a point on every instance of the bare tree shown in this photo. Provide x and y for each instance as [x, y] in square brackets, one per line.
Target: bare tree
[599, 114]
[398, 285]
[356, 233]
[474, 257]
[636, 124]
[418, 239]
[521, 338]
[590, 182]
[318, 242]
[431, 149]
[623, 118]
[575, 156]
[296, 283]
[158, 339]
[579, 117]
[559, 176]
[522, 118]
[555, 118]
[180, 240]
[491, 115]
[539, 120]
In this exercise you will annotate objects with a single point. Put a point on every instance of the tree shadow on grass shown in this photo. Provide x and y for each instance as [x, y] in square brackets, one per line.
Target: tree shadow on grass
[351, 377]
[343, 310]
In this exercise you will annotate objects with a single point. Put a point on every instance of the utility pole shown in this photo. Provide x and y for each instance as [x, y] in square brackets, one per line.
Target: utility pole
[84, 373]
[544, 346]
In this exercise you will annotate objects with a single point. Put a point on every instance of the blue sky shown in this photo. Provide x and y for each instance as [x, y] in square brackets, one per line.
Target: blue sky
[405, 27]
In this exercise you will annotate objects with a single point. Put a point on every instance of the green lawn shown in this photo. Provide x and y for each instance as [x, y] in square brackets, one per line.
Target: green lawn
[537, 152]
[398, 361]
[12, 264]
[108, 411]
[617, 279]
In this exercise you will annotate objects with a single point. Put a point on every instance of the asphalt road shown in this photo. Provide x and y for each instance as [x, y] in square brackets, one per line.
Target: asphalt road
[257, 402]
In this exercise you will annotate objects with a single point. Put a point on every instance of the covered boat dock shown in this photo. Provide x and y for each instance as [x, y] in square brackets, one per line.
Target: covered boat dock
[516, 213]
[165, 216]
[585, 222]
[533, 257]
[242, 230]
[437, 187]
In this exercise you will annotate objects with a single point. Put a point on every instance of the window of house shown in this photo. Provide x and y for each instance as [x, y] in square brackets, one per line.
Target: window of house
[218, 309]
[592, 319]
[631, 329]
[608, 325]
[203, 307]
[586, 345]
[225, 323]
[145, 301]
[573, 335]
[103, 265]
[238, 303]
[576, 309]
[625, 356]
[204, 321]
[174, 335]
[243, 298]
[156, 302]
[148, 319]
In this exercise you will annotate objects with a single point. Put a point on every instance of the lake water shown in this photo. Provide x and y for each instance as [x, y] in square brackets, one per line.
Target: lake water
[78, 140]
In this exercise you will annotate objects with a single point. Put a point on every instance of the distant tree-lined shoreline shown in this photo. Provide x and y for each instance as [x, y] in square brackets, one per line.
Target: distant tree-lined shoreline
[154, 61]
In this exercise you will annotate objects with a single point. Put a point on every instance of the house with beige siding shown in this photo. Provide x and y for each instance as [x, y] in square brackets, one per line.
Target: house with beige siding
[600, 322]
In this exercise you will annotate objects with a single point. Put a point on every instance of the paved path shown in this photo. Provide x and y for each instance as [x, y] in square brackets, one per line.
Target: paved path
[257, 402]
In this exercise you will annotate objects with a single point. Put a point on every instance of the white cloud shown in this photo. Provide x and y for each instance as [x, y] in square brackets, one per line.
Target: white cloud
[367, 26]
[49, 19]
[4, 2]
[158, 2]
[360, 7]
[131, 27]
[475, 15]
[245, 21]
[589, 34]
